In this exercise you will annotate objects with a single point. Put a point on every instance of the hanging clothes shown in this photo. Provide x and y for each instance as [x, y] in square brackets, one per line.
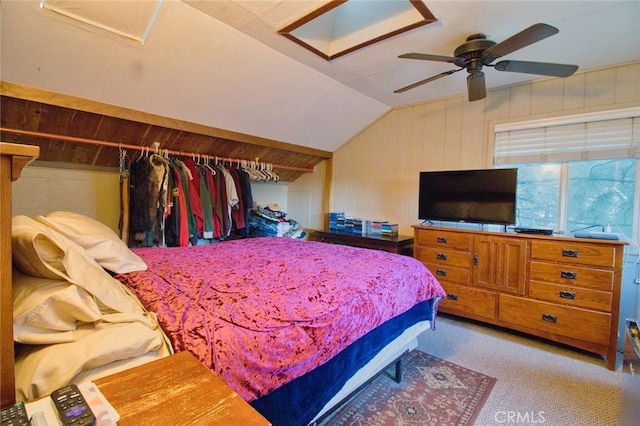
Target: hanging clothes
[237, 212]
[206, 202]
[247, 198]
[223, 200]
[179, 203]
[147, 202]
[194, 197]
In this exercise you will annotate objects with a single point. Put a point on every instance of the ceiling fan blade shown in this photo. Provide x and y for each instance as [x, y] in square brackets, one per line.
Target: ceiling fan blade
[426, 80]
[522, 39]
[476, 86]
[428, 57]
[541, 68]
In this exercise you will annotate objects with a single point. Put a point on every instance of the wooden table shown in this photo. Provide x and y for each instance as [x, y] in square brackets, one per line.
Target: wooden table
[176, 390]
[396, 244]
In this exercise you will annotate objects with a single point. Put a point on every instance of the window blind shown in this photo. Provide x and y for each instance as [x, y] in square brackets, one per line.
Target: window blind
[591, 137]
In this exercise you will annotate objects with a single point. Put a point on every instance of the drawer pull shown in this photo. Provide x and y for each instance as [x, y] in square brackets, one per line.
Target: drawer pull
[549, 318]
[441, 272]
[452, 296]
[567, 294]
[442, 240]
[441, 256]
[570, 253]
[568, 275]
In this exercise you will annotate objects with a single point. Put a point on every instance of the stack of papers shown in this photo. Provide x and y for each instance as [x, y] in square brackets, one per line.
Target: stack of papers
[105, 414]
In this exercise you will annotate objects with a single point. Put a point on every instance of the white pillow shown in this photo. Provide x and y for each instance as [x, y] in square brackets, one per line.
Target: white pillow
[42, 369]
[40, 251]
[45, 310]
[97, 239]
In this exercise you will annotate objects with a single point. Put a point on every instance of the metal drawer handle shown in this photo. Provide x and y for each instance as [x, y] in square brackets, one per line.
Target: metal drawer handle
[441, 256]
[442, 240]
[570, 253]
[441, 272]
[549, 318]
[452, 296]
[568, 275]
[567, 294]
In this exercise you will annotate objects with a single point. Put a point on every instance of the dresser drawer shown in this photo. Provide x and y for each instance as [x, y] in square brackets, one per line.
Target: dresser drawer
[576, 276]
[581, 324]
[451, 274]
[571, 252]
[469, 302]
[573, 296]
[444, 239]
[444, 257]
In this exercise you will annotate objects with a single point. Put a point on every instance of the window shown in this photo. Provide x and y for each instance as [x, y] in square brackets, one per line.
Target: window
[575, 173]
[598, 194]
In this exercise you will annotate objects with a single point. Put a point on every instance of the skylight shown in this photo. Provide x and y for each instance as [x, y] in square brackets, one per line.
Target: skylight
[128, 18]
[343, 26]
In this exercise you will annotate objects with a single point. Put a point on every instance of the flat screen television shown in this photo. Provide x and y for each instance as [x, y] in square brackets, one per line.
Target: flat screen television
[485, 196]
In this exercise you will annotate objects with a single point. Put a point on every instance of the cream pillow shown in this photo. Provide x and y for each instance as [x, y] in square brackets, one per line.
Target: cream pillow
[43, 369]
[40, 251]
[97, 239]
[46, 310]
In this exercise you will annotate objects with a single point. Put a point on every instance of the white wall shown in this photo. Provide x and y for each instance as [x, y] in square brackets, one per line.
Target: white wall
[41, 190]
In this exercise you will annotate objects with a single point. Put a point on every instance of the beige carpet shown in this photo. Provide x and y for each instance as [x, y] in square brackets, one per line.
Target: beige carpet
[537, 382]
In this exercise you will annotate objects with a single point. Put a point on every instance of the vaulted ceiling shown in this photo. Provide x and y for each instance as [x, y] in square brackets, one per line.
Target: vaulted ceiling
[220, 68]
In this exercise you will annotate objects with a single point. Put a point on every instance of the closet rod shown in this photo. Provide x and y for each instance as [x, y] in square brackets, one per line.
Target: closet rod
[142, 148]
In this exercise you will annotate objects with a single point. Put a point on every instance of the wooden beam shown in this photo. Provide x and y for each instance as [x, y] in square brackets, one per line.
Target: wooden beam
[66, 101]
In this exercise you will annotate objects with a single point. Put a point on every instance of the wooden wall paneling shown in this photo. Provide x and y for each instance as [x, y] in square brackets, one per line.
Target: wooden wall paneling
[574, 92]
[546, 96]
[340, 171]
[453, 131]
[412, 165]
[382, 175]
[472, 138]
[434, 136]
[520, 101]
[600, 87]
[628, 83]
[498, 108]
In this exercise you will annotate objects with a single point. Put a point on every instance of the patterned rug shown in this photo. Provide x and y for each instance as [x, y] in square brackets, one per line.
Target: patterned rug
[432, 392]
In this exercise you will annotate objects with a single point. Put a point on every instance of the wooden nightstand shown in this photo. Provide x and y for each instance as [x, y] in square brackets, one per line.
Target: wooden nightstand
[176, 390]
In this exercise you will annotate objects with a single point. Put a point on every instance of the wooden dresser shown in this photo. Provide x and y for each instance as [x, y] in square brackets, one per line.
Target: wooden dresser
[13, 158]
[563, 289]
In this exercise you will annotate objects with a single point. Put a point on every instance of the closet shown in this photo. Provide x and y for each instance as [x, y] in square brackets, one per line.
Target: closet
[179, 200]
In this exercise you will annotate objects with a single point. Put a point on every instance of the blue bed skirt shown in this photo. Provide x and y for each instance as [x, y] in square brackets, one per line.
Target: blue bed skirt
[299, 401]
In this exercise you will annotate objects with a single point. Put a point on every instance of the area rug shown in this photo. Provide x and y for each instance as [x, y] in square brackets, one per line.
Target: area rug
[432, 392]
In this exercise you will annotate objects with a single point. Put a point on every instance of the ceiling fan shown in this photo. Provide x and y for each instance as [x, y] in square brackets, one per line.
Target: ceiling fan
[479, 52]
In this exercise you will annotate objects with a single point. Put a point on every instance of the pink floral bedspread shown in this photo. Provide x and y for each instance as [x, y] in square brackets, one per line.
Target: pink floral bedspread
[263, 311]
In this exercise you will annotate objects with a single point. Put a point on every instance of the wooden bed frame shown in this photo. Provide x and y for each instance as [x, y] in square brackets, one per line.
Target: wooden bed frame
[14, 158]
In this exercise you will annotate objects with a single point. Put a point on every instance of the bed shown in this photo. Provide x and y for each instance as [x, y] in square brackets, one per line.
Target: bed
[292, 326]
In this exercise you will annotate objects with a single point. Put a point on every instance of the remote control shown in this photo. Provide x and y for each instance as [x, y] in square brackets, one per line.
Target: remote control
[14, 415]
[72, 408]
